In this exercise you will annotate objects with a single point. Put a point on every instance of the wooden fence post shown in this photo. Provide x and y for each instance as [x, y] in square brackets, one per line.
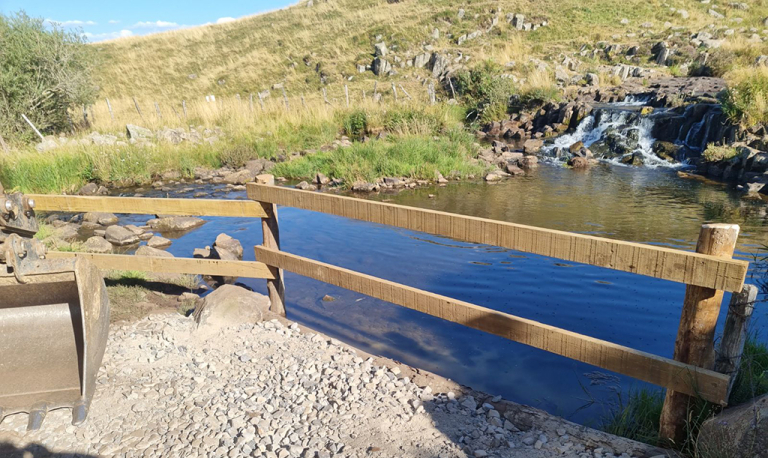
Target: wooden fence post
[109, 105]
[406, 92]
[325, 97]
[261, 101]
[136, 104]
[346, 94]
[250, 103]
[271, 231]
[394, 91]
[285, 98]
[695, 337]
[157, 109]
[735, 333]
[184, 107]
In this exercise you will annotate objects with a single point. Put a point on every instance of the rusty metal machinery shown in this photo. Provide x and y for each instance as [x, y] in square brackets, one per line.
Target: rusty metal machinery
[54, 321]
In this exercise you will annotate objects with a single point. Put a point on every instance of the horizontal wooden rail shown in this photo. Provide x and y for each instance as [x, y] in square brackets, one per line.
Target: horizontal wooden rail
[669, 373]
[653, 261]
[217, 267]
[149, 206]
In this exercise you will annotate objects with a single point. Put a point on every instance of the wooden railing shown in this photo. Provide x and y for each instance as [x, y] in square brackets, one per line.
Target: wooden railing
[708, 273]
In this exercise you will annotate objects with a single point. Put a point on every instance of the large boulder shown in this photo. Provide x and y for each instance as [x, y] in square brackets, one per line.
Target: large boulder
[381, 66]
[532, 146]
[242, 177]
[97, 245]
[158, 242]
[103, 219]
[138, 133]
[120, 236]
[175, 223]
[226, 243]
[737, 431]
[230, 306]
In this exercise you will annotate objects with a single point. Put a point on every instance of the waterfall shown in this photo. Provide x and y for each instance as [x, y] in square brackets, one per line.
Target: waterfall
[617, 133]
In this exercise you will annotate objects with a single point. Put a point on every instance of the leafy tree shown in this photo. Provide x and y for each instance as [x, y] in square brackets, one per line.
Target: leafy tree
[44, 72]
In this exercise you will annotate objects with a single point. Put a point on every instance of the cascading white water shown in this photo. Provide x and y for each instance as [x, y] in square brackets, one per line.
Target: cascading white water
[610, 126]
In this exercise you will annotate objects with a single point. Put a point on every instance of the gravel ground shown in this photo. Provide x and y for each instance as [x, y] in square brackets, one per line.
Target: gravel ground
[277, 391]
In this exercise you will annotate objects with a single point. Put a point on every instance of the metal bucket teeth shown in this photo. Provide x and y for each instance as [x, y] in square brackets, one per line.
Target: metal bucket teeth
[53, 333]
[36, 417]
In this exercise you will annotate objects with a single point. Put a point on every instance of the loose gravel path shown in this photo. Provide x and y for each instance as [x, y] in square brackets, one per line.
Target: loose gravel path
[276, 391]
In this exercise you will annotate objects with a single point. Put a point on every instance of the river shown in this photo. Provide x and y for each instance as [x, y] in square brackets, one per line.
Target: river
[640, 204]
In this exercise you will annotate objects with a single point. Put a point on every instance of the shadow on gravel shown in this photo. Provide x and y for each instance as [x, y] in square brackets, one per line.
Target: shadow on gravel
[35, 451]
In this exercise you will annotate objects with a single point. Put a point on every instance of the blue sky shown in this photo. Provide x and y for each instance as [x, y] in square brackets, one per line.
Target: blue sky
[107, 19]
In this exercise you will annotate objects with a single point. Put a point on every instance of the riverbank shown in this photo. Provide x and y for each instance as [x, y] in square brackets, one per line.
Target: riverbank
[275, 389]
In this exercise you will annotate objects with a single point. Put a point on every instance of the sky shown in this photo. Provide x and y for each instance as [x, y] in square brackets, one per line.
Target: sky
[108, 19]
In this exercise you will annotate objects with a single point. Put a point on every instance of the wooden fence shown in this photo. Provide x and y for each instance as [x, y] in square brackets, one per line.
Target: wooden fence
[708, 273]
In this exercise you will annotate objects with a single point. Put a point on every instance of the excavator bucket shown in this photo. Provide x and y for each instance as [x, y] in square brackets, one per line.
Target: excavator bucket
[54, 321]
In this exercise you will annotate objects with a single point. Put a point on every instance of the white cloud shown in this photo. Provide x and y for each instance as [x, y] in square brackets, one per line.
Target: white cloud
[155, 25]
[73, 23]
[223, 20]
[114, 21]
[94, 37]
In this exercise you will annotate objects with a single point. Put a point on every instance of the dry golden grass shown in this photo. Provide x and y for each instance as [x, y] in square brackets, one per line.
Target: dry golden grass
[296, 45]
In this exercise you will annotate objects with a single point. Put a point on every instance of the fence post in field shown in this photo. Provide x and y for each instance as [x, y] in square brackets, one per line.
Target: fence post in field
[261, 101]
[157, 108]
[325, 97]
[85, 117]
[250, 102]
[453, 92]
[136, 104]
[346, 94]
[406, 92]
[394, 91]
[303, 103]
[271, 233]
[109, 106]
[176, 112]
[695, 337]
[285, 98]
[735, 333]
[184, 107]
[2, 143]
[33, 127]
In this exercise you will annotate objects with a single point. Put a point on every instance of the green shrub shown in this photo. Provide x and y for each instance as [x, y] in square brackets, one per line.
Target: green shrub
[355, 124]
[484, 92]
[747, 102]
[44, 72]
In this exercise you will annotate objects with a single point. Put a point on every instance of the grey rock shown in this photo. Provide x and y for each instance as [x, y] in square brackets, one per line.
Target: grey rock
[120, 236]
[158, 242]
[150, 252]
[135, 132]
[231, 305]
[175, 223]
[97, 245]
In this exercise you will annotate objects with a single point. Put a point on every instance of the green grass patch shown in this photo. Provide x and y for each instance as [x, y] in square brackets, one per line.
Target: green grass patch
[746, 101]
[715, 153]
[416, 157]
[637, 417]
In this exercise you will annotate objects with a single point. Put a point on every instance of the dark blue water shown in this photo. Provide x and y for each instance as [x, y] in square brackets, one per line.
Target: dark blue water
[634, 204]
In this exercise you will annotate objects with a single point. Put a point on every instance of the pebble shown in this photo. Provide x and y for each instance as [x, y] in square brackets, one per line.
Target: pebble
[268, 390]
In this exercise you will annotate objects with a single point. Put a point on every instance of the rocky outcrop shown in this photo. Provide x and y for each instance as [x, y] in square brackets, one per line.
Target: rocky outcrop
[740, 431]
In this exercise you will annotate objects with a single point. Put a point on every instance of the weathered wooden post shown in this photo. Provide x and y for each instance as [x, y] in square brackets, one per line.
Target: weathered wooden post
[261, 101]
[109, 106]
[136, 104]
[157, 109]
[735, 333]
[394, 91]
[346, 94]
[271, 231]
[285, 98]
[184, 107]
[696, 335]
[325, 97]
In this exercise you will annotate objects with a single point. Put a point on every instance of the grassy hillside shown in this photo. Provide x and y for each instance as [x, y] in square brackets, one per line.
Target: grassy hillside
[301, 45]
